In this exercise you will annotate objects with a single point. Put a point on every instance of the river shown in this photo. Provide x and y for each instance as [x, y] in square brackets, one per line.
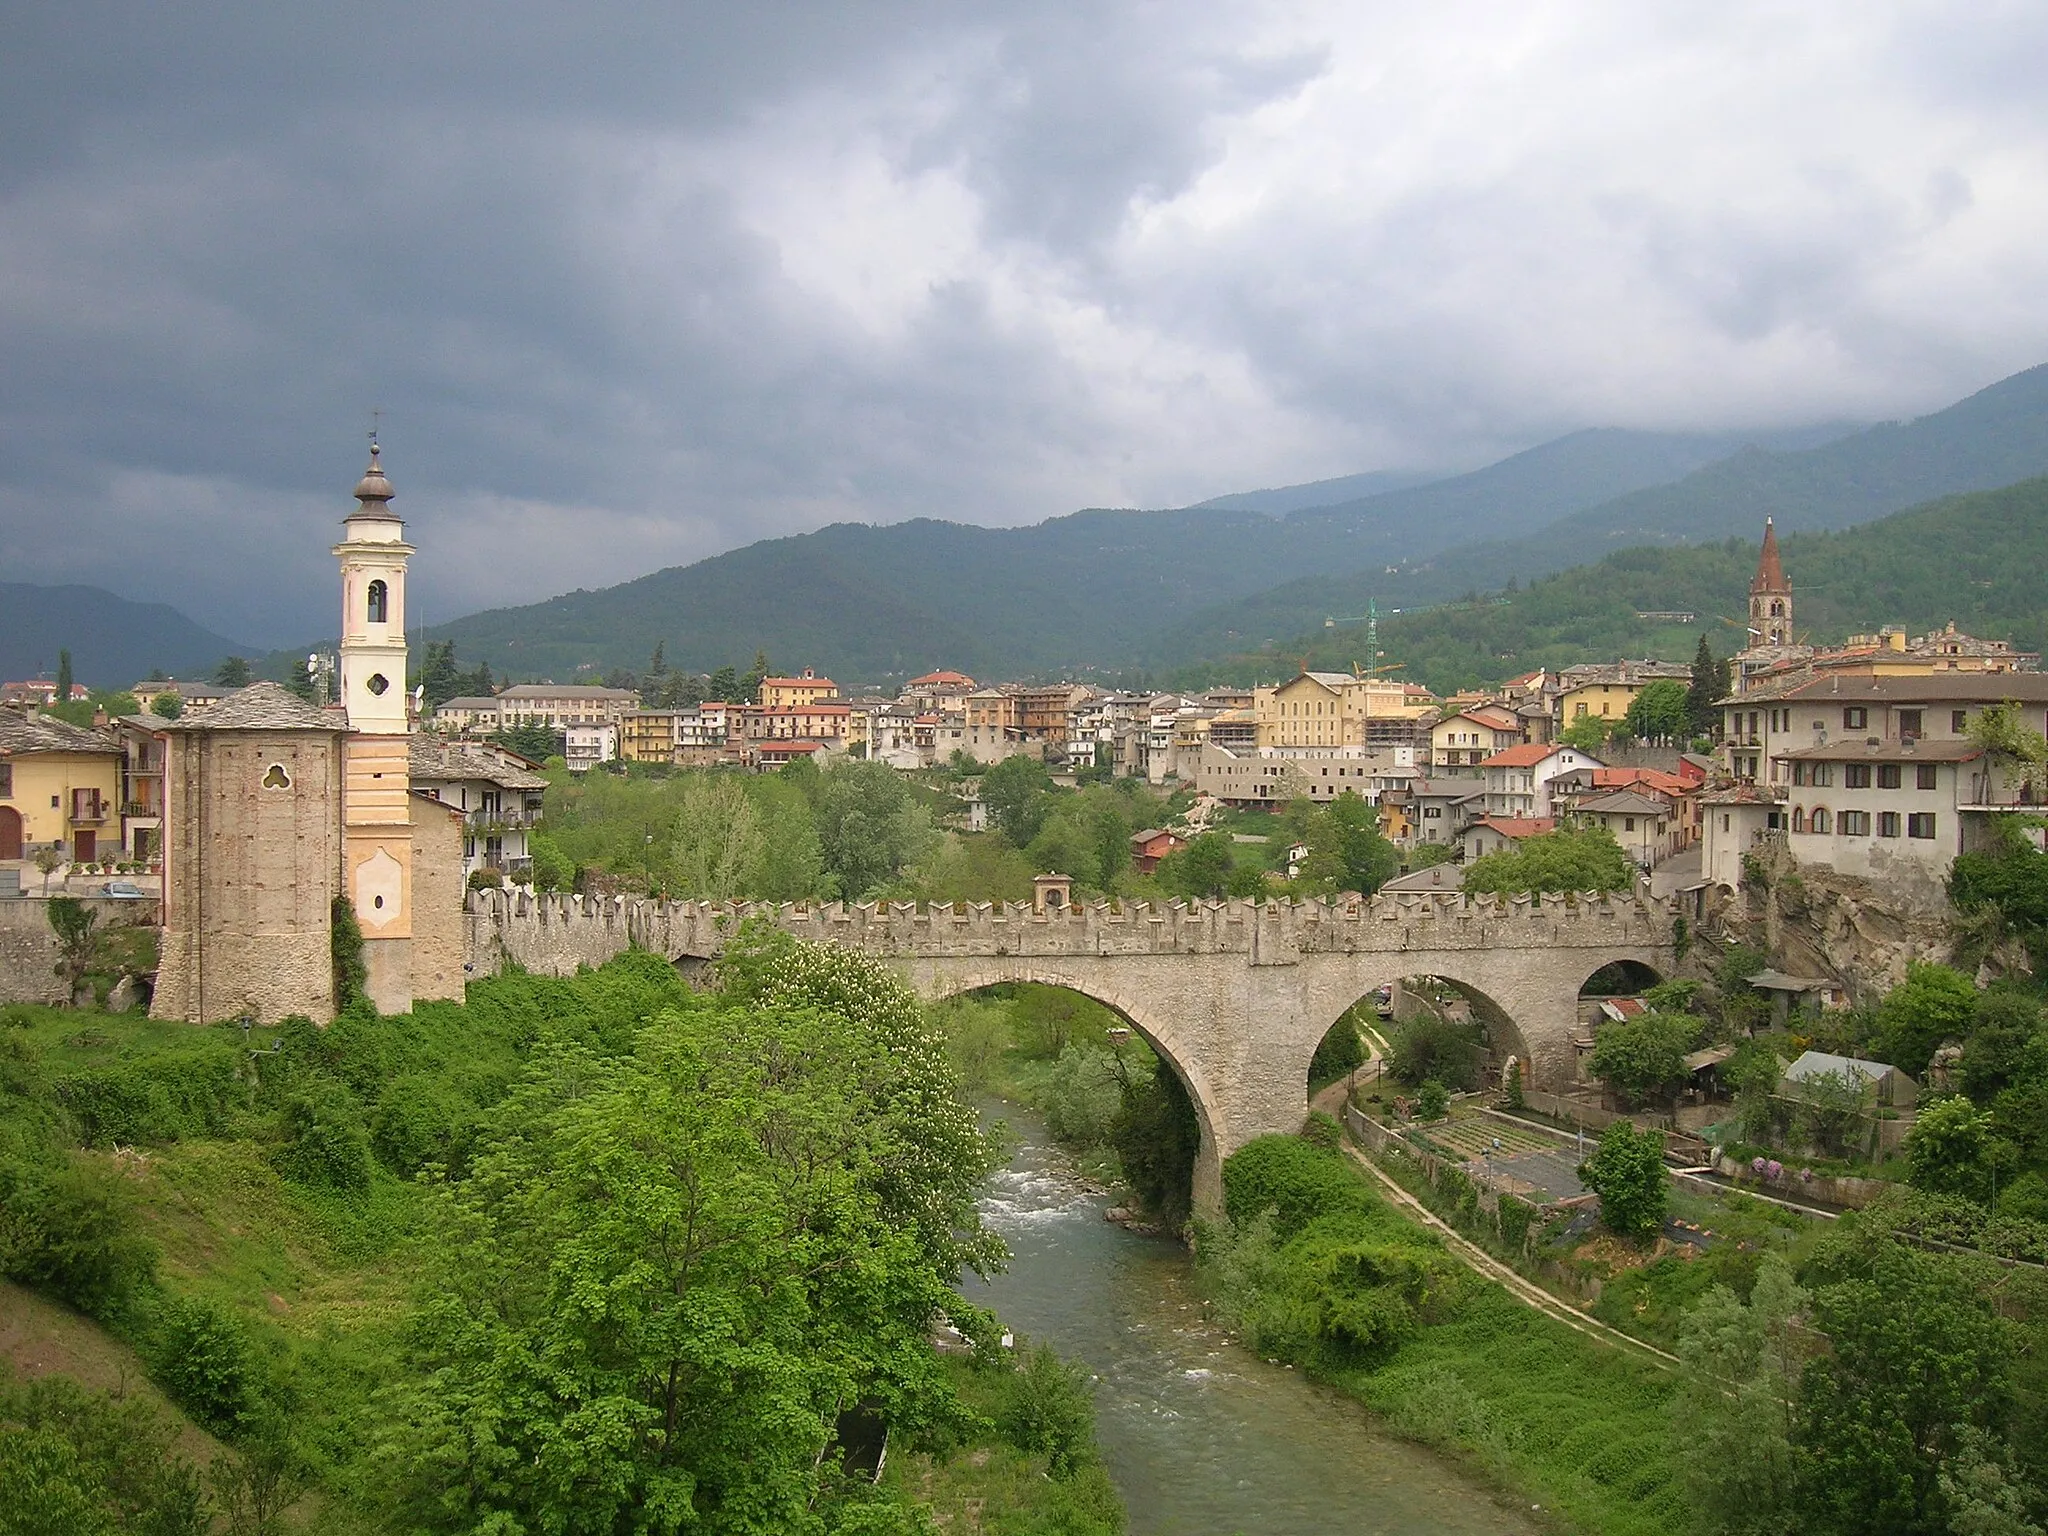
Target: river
[1201, 1437]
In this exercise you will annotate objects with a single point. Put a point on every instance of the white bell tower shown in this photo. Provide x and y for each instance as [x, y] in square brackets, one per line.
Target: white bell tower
[373, 554]
[376, 789]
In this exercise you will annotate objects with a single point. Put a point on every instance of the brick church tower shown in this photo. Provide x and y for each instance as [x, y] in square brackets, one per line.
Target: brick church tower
[1770, 598]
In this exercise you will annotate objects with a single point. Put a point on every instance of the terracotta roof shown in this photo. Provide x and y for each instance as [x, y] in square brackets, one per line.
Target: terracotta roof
[1770, 574]
[935, 678]
[22, 734]
[259, 707]
[1528, 754]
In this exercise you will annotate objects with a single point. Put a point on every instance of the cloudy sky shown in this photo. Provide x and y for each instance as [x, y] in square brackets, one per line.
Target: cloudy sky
[632, 284]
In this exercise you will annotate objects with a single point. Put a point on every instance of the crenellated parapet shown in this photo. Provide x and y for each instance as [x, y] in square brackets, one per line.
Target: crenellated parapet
[553, 932]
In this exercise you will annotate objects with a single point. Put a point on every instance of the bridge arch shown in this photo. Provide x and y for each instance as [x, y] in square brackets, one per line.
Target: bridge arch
[1158, 1026]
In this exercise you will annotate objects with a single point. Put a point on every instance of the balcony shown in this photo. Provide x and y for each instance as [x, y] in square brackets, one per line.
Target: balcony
[508, 816]
[140, 808]
[88, 810]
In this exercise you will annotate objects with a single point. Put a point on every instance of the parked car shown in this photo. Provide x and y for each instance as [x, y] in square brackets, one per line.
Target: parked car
[124, 890]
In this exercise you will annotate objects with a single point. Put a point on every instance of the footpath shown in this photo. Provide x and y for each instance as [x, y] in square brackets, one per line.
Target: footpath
[1331, 1102]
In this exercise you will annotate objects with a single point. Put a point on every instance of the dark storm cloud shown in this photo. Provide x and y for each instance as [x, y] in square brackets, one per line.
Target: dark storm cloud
[635, 284]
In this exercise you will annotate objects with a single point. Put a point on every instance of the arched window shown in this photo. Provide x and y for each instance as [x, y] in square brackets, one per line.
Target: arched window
[1822, 821]
[380, 602]
[1798, 818]
[1777, 610]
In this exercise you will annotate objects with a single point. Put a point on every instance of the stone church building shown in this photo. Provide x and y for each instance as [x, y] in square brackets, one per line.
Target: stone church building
[274, 808]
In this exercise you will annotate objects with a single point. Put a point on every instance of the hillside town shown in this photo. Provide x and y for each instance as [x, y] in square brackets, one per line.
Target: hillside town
[1859, 756]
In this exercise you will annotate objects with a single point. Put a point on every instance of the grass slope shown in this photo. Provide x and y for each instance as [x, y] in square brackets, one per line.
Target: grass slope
[1996, 437]
[1968, 558]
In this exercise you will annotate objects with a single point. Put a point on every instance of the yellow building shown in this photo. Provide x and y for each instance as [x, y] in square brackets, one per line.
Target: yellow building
[1329, 709]
[1606, 691]
[648, 736]
[58, 784]
[797, 692]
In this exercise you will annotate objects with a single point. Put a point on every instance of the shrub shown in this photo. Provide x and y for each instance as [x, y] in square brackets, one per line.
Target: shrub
[1433, 1101]
[72, 1232]
[1047, 1410]
[83, 1464]
[325, 1143]
[1339, 1055]
[1293, 1179]
[1322, 1130]
[202, 1359]
[1643, 1059]
[1429, 1046]
[1515, 1216]
[1627, 1172]
[1157, 1138]
[1515, 1100]
[1082, 1096]
[422, 1119]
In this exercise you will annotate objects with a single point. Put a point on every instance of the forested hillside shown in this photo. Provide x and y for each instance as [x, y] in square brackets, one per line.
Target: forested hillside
[112, 640]
[1995, 437]
[1087, 592]
[1973, 559]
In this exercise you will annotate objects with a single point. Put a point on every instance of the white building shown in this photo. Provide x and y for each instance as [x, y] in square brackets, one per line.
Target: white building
[1518, 780]
[588, 745]
[498, 793]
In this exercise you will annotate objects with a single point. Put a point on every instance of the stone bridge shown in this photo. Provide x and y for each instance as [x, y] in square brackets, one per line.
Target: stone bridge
[1237, 994]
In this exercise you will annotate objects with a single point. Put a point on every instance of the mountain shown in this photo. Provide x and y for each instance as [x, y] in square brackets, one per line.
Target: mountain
[113, 641]
[1086, 592]
[1282, 499]
[1995, 437]
[1971, 559]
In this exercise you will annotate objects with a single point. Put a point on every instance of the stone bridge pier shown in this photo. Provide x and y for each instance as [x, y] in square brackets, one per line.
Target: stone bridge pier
[1235, 995]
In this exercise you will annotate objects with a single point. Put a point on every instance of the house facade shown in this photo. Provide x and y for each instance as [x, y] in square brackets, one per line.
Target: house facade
[60, 786]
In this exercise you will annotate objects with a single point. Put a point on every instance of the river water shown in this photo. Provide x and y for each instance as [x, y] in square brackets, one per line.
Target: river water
[1201, 1437]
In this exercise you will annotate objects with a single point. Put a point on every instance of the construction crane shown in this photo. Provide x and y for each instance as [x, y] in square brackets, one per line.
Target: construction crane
[1371, 619]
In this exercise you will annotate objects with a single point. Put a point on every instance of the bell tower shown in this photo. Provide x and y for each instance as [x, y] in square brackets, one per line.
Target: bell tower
[1770, 597]
[376, 753]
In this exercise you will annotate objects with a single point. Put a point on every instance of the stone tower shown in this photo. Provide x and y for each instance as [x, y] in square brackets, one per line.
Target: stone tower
[377, 871]
[1770, 597]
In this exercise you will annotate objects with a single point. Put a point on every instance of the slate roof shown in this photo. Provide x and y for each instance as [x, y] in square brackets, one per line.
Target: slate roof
[1626, 802]
[259, 707]
[432, 759]
[22, 734]
[1861, 750]
[1820, 1063]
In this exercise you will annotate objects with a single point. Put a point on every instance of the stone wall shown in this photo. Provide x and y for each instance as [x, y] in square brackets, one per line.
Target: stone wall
[28, 949]
[249, 882]
[439, 926]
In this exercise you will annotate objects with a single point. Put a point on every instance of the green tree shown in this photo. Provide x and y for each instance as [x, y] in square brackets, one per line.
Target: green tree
[1570, 859]
[233, 672]
[1740, 1380]
[869, 827]
[669, 1272]
[1587, 733]
[553, 870]
[1659, 712]
[1432, 1046]
[65, 679]
[167, 705]
[1346, 850]
[1706, 688]
[1952, 1150]
[724, 686]
[438, 674]
[1917, 1365]
[1643, 1059]
[1198, 869]
[717, 843]
[750, 685]
[1933, 1004]
[78, 940]
[1627, 1172]
[1018, 793]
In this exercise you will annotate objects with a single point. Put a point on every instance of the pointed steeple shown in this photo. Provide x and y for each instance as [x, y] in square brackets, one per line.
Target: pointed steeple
[1770, 573]
[1770, 596]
